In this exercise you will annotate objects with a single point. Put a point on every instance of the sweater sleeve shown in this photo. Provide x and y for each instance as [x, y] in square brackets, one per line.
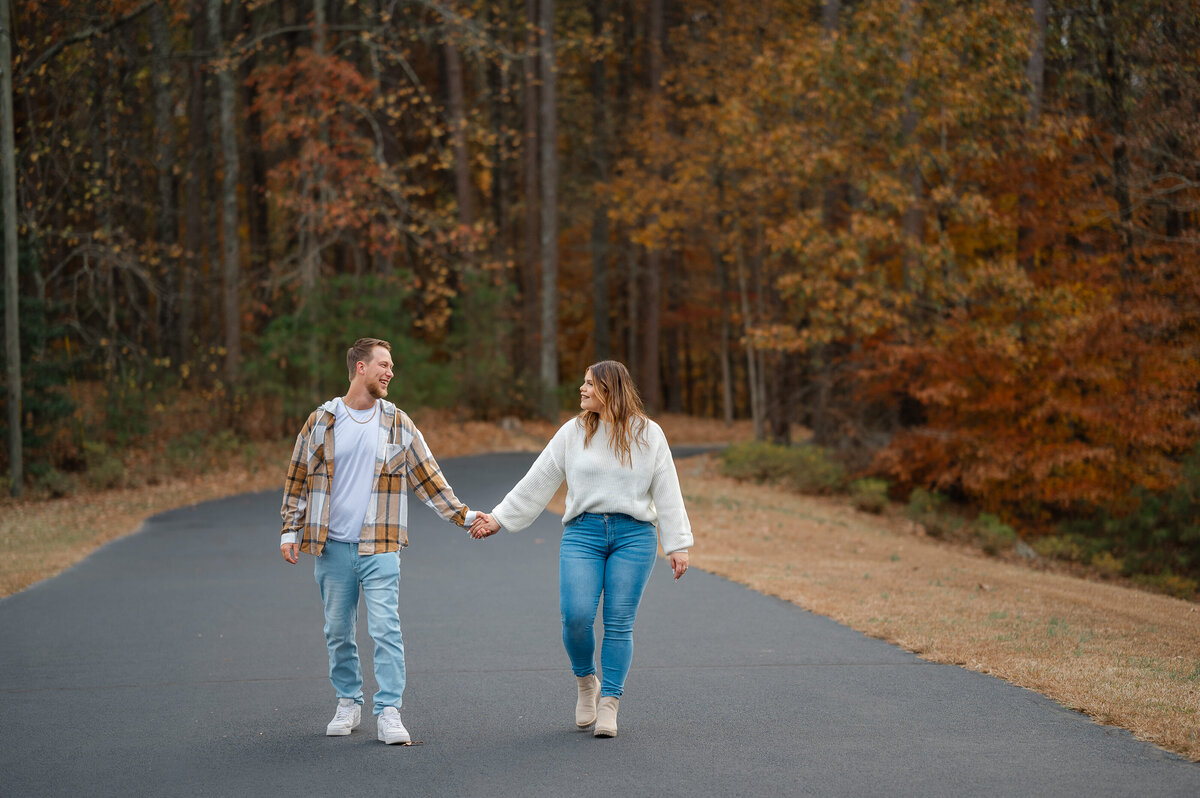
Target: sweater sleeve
[674, 528]
[525, 502]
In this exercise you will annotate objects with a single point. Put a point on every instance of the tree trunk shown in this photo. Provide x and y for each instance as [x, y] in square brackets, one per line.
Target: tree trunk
[674, 340]
[8, 192]
[758, 273]
[751, 359]
[198, 167]
[102, 150]
[651, 330]
[782, 392]
[1035, 73]
[229, 211]
[626, 32]
[166, 324]
[632, 305]
[913, 222]
[722, 267]
[529, 155]
[549, 153]
[498, 78]
[254, 182]
[723, 346]
[836, 215]
[309, 238]
[835, 202]
[600, 123]
[458, 137]
[1115, 75]
[830, 11]
[650, 384]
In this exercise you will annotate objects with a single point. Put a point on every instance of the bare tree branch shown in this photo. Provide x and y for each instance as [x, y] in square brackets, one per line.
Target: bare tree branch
[83, 35]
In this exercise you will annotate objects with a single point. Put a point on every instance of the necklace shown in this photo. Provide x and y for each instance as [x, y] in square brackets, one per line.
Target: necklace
[355, 420]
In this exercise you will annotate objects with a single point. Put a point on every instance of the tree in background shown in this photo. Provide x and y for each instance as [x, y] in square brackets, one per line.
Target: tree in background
[8, 189]
[955, 241]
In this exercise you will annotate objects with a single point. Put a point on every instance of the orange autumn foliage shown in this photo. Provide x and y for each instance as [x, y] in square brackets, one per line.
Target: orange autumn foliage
[1053, 390]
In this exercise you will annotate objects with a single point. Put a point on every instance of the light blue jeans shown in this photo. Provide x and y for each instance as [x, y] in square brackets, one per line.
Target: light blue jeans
[613, 554]
[339, 572]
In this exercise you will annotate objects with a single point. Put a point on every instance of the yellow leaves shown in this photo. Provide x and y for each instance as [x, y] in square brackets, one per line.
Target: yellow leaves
[776, 337]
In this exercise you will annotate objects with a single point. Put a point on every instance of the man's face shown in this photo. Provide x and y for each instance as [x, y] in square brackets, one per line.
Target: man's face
[377, 373]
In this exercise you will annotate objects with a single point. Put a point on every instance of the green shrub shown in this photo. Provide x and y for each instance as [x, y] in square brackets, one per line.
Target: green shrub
[1061, 547]
[300, 355]
[921, 502]
[225, 442]
[752, 462]
[104, 469]
[1172, 584]
[805, 468]
[53, 483]
[869, 495]
[1107, 564]
[478, 336]
[181, 453]
[927, 508]
[994, 535]
[200, 451]
[47, 366]
[811, 469]
[1160, 536]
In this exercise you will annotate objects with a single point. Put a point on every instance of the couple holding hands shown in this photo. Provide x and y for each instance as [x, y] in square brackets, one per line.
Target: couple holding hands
[621, 484]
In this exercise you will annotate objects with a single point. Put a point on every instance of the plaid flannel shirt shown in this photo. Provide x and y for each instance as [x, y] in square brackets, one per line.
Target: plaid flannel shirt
[401, 456]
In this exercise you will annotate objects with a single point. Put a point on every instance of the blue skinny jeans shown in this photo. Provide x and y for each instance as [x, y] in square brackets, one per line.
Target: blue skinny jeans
[340, 572]
[613, 554]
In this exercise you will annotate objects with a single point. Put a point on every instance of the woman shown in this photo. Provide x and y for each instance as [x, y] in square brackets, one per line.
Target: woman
[621, 481]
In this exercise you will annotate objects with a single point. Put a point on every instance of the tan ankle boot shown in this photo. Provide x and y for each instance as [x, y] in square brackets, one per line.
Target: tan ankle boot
[606, 717]
[585, 706]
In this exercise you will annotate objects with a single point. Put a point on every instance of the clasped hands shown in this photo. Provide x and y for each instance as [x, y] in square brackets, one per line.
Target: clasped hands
[484, 526]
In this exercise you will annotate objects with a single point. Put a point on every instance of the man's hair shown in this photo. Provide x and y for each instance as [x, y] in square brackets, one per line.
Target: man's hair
[362, 350]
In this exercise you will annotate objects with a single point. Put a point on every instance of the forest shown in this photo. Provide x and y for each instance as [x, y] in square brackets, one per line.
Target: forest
[956, 241]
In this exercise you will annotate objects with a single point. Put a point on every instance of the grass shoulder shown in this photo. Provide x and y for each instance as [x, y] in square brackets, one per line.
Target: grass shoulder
[1094, 642]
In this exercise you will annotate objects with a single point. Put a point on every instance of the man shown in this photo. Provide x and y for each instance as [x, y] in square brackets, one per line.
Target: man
[355, 525]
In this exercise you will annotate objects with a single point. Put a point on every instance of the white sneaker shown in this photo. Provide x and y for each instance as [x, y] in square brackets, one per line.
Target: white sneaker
[346, 719]
[391, 730]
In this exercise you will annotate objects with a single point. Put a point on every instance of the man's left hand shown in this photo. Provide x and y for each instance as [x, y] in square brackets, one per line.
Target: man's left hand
[290, 552]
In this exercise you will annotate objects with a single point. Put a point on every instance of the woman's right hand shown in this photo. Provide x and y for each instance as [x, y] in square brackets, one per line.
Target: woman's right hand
[484, 526]
[679, 563]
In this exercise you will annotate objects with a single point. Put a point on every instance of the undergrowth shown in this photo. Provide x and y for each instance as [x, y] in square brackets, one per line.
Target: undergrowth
[1156, 546]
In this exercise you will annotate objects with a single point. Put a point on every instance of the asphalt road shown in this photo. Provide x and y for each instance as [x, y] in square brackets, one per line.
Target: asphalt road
[188, 659]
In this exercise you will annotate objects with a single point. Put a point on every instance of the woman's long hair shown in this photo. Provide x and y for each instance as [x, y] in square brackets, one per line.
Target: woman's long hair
[620, 397]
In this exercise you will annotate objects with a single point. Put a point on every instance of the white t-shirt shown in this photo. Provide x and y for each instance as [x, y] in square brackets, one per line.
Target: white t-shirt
[355, 442]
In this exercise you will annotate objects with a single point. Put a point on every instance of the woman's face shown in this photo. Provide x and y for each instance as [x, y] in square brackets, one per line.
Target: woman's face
[589, 395]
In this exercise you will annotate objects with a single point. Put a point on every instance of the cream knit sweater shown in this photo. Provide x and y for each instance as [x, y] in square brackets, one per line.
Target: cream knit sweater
[598, 483]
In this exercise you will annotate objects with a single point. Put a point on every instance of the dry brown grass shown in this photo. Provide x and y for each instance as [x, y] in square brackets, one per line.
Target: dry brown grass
[1123, 656]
